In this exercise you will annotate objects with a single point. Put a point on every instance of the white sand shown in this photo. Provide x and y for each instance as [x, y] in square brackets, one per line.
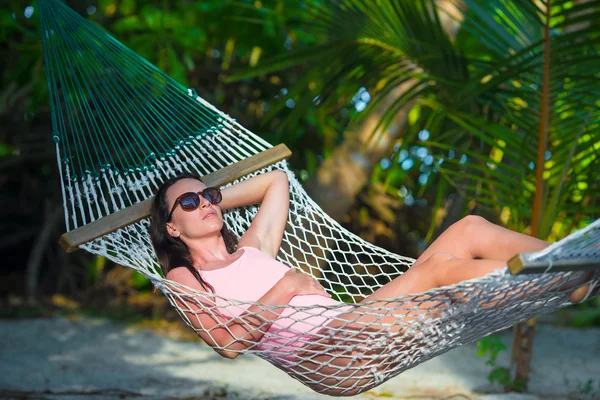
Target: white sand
[59, 359]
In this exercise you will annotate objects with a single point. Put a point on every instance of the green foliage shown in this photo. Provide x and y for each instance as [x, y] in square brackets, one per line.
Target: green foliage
[490, 347]
[95, 268]
[140, 282]
[340, 294]
[478, 96]
[476, 88]
[586, 314]
[587, 387]
[6, 150]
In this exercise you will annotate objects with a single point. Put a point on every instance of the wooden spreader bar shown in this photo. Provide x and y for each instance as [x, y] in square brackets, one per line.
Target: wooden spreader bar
[71, 241]
[519, 266]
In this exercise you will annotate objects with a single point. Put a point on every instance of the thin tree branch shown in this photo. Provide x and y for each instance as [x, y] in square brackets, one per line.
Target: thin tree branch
[52, 219]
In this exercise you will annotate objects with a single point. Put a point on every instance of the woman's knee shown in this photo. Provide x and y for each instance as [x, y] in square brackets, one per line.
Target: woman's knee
[436, 266]
[440, 258]
[468, 228]
[434, 261]
[470, 223]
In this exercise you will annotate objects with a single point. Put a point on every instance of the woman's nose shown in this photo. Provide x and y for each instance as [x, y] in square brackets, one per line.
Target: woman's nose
[203, 202]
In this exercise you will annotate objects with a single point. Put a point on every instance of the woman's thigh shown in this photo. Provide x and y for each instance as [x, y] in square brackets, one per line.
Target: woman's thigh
[416, 279]
[351, 350]
[344, 356]
[473, 237]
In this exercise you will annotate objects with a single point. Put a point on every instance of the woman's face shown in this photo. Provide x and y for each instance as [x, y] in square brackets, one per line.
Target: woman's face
[204, 221]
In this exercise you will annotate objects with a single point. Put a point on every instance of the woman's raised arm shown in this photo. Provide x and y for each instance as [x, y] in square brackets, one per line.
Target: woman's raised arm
[271, 190]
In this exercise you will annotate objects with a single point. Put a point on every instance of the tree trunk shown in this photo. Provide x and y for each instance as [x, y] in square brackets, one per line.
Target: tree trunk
[51, 221]
[524, 332]
[342, 176]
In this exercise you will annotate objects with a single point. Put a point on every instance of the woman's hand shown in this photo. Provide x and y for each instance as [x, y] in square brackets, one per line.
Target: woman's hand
[302, 284]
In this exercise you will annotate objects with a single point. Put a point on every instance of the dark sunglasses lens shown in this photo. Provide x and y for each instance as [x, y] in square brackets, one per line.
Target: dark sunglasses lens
[189, 201]
[212, 194]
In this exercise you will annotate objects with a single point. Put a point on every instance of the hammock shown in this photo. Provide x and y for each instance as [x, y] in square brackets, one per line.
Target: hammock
[121, 127]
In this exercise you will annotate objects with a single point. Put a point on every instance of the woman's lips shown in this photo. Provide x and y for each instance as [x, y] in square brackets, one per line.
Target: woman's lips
[209, 215]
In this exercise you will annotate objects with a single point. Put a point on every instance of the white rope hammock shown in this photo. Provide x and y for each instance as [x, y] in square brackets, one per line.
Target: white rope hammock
[349, 347]
[383, 338]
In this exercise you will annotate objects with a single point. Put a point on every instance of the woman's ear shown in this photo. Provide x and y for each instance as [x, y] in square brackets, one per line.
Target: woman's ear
[173, 231]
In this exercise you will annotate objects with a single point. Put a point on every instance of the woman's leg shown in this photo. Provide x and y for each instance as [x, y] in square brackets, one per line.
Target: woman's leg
[443, 269]
[474, 237]
[439, 269]
[346, 370]
[336, 368]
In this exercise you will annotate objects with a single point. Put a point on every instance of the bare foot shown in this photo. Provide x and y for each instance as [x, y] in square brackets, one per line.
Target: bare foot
[580, 293]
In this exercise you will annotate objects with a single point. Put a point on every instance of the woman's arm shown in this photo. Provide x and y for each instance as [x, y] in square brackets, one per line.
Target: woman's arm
[238, 333]
[271, 190]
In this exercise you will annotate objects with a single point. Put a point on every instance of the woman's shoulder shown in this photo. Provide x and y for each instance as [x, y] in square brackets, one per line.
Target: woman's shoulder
[184, 276]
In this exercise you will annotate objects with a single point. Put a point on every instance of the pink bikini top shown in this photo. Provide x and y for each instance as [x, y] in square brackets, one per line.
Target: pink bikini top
[249, 277]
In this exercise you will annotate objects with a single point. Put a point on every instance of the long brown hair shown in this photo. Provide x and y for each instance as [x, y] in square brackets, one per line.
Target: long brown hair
[172, 252]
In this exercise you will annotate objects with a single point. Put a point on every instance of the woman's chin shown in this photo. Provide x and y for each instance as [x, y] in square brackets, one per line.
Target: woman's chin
[213, 228]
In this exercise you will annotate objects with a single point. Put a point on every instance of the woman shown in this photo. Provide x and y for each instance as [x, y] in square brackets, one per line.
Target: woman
[196, 250]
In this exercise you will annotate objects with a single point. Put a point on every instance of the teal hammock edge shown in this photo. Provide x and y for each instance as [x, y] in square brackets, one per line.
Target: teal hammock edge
[72, 101]
[149, 163]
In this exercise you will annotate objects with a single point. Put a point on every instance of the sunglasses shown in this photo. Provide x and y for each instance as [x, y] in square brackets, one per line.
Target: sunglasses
[190, 201]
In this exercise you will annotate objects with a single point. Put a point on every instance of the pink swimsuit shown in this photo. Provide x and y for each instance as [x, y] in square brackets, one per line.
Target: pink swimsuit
[248, 279]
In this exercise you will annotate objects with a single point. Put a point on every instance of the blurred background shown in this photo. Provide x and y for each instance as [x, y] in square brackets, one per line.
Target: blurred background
[426, 111]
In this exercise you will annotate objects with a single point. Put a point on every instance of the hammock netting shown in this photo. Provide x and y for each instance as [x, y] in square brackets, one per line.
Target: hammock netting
[122, 127]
